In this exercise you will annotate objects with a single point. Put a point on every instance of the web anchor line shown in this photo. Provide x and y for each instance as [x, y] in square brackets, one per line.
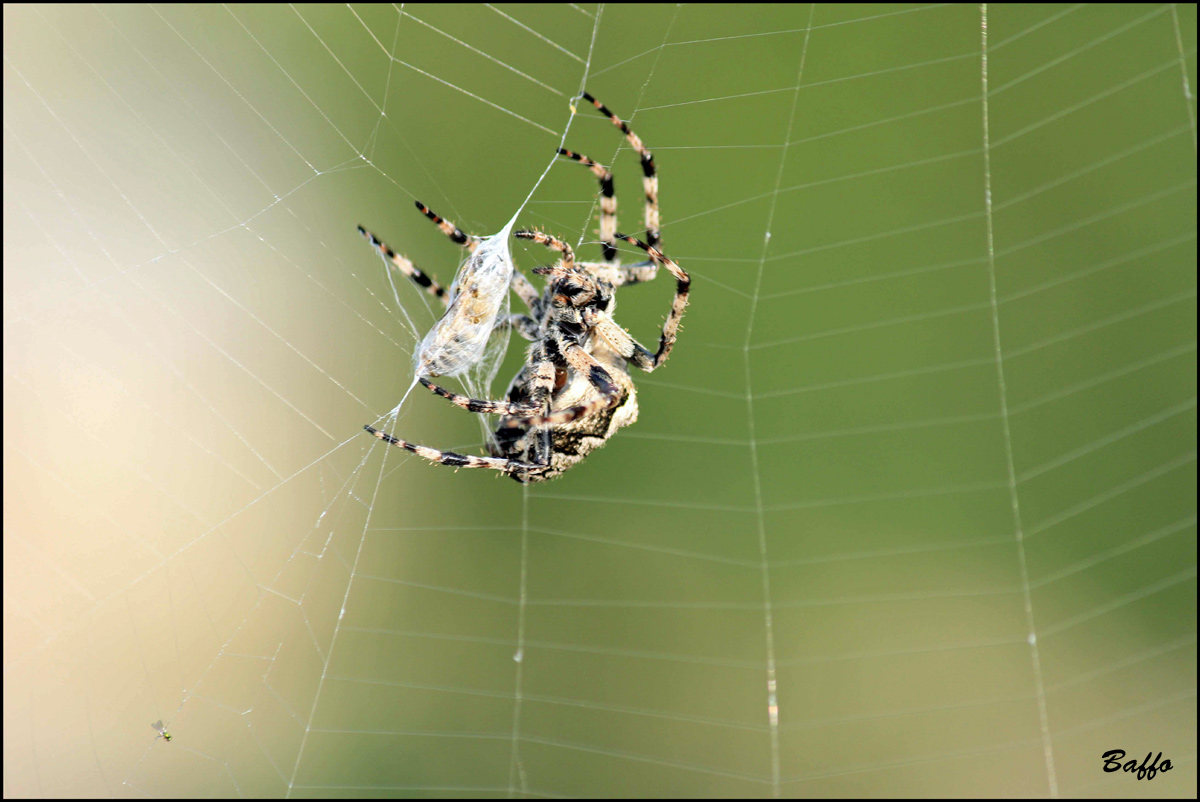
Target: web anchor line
[1019, 534]
[764, 564]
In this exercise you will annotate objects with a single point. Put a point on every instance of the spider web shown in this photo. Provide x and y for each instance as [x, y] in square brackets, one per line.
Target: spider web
[909, 511]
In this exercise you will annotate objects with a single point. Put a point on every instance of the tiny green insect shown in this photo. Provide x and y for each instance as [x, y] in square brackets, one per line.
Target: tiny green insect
[162, 730]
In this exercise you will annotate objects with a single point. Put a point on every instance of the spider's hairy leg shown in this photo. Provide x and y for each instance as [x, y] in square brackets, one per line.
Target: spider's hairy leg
[449, 229]
[608, 202]
[541, 387]
[619, 339]
[526, 326]
[678, 304]
[405, 266]
[568, 255]
[482, 407]
[456, 460]
[541, 384]
[636, 274]
[601, 380]
[649, 176]
[520, 284]
[526, 292]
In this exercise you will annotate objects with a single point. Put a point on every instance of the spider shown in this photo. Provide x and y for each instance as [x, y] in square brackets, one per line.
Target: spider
[574, 391]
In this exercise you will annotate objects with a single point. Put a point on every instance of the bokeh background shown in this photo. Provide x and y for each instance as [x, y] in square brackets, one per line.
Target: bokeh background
[909, 511]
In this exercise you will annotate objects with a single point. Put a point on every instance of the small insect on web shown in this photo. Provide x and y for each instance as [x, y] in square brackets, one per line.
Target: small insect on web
[574, 391]
[161, 729]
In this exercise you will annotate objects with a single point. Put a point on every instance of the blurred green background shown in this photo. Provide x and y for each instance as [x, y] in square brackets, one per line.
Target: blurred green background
[920, 470]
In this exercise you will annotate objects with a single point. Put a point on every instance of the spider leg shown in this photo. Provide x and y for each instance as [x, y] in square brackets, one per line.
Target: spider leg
[450, 230]
[568, 255]
[541, 383]
[542, 386]
[457, 460]
[405, 266]
[650, 177]
[526, 292]
[608, 203]
[583, 363]
[520, 284]
[526, 326]
[483, 407]
[636, 274]
[682, 285]
[618, 339]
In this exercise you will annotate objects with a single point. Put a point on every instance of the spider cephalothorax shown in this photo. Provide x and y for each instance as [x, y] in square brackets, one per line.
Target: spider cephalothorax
[574, 391]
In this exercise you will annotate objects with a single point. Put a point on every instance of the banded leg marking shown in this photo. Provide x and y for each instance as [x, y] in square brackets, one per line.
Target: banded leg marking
[568, 255]
[608, 202]
[457, 460]
[524, 290]
[482, 407]
[405, 266]
[449, 229]
[678, 304]
[540, 386]
[649, 175]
